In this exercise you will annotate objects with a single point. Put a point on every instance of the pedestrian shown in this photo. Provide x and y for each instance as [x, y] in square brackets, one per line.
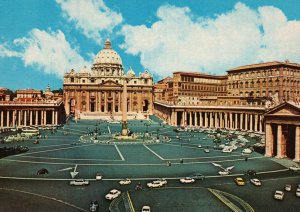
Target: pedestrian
[181, 161]
[246, 158]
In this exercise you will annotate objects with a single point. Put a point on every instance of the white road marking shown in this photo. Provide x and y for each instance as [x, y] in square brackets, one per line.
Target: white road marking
[198, 158]
[68, 159]
[52, 150]
[38, 147]
[119, 152]
[46, 197]
[121, 164]
[153, 152]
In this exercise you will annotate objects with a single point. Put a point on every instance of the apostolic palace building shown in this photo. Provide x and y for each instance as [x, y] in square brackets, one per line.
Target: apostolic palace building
[97, 93]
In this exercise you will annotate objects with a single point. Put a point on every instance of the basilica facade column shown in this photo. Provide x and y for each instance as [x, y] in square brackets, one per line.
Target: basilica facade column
[2, 124]
[196, 118]
[211, 121]
[7, 118]
[281, 143]
[201, 120]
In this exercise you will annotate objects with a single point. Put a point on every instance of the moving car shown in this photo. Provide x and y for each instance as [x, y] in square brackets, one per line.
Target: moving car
[154, 184]
[146, 208]
[79, 182]
[199, 146]
[239, 181]
[94, 206]
[125, 181]
[251, 172]
[98, 176]
[288, 187]
[112, 194]
[206, 150]
[197, 176]
[298, 192]
[255, 181]
[42, 171]
[294, 168]
[279, 195]
[187, 180]
[162, 181]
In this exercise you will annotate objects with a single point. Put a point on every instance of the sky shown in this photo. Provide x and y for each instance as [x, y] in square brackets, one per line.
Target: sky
[40, 40]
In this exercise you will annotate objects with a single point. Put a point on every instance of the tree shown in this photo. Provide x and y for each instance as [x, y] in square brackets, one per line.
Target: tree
[59, 91]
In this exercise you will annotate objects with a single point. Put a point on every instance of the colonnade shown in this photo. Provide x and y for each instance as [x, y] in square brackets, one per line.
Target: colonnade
[217, 119]
[27, 117]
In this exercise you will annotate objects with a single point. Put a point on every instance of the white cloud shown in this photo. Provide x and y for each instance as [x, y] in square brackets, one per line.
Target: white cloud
[92, 17]
[181, 41]
[49, 51]
[5, 51]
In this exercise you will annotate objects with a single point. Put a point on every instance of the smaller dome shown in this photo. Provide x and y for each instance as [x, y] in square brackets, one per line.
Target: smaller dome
[146, 74]
[130, 73]
[84, 70]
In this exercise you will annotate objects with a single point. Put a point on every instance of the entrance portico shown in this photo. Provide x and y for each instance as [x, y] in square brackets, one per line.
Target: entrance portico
[283, 131]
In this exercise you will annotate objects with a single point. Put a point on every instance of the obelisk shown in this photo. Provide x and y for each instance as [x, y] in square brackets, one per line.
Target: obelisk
[124, 109]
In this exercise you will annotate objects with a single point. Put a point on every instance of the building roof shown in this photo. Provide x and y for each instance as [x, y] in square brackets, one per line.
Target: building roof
[28, 91]
[197, 74]
[263, 65]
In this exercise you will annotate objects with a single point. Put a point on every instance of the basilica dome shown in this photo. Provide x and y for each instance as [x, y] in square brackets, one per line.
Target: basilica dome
[107, 56]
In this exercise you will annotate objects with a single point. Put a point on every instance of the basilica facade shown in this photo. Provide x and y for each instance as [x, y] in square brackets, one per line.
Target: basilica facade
[97, 92]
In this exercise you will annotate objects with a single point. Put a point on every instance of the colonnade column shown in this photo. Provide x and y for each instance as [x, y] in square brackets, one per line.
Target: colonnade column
[14, 118]
[269, 141]
[211, 120]
[200, 119]
[241, 121]
[255, 122]
[251, 122]
[30, 117]
[230, 122]
[19, 118]
[7, 118]
[2, 124]
[196, 119]
[246, 121]
[297, 144]
[281, 143]
[36, 117]
[236, 121]
[25, 118]
[205, 120]
[260, 123]
[190, 124]
[221, 120]
[216, 119]
[175, 118]
[226, 120]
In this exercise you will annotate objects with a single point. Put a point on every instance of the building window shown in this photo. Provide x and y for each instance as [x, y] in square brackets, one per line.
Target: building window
[72, 79]
[83, 81]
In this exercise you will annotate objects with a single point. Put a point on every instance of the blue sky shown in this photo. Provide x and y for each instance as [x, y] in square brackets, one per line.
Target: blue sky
[42, 39]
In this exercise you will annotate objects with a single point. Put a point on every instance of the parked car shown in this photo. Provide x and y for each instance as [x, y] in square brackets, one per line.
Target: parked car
[279, 195]
[42, 171]
[79, 182]
[187, 180]
[255, 181]
[239, 181]
[146, 208]
[197, 176]
[222, 173]
[114, 193]
[294, 168]
[99, 176]
[206, 150]
[94, 206]
[125, 181]
[298, 192]
[288, 187]
[247, 151]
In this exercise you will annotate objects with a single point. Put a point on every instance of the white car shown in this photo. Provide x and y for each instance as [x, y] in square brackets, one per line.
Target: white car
[223, 172]
[199, 146]
[247, 151]
[79, 182]
[125, 182]
[113, 194]
[298, 192]
[295, 168]
[154, 184]
[146, 208]
[187, 180]
[227, 149]
[99, 176]
[288, 187]
[255, 181]
[279, 195]
[162, 181]
[206, 150]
